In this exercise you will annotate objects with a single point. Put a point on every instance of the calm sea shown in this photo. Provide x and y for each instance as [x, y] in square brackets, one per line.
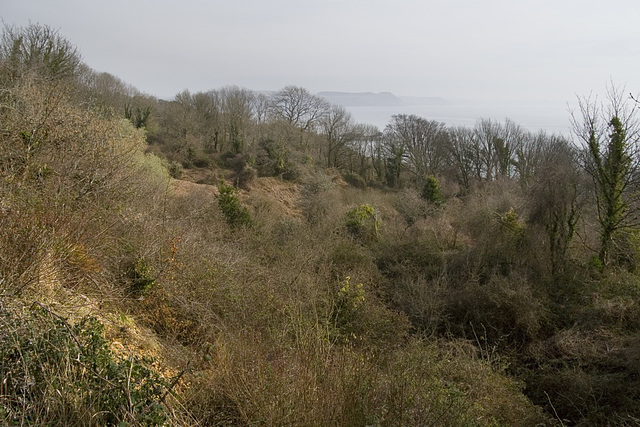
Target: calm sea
[532, 115]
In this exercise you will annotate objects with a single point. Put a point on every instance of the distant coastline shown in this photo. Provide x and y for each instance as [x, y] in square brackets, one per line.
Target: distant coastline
[381, 99]
[377, 108]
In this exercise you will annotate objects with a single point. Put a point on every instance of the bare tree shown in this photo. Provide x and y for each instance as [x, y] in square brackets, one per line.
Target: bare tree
[363, 146]
[338, 130]
[261, 107]
[534, 152]
[37, 49]
[298, 107]
[554, 185]
[464, 155]
[423, 142]
[507, 146]
[207, 112]
[237, 109]
[104, 91]
[486, 133]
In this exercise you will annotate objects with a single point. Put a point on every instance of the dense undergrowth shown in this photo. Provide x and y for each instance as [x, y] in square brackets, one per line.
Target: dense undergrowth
[266, 289]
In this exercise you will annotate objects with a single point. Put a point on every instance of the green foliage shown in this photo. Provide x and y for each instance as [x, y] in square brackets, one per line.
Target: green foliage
[234, 212]
[346, 309]
[511, 222]
[595, 264]
[138, 116]
[393, 168]
[362, 221]
[282, 159]
[431, 190]
[627, 249]
[237, 143]
[610, 173]
[274, 159]
[141, 275]
[351, 296]
[58, 373]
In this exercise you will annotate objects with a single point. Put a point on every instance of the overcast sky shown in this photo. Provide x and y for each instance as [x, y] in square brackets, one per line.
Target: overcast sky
[489, 49]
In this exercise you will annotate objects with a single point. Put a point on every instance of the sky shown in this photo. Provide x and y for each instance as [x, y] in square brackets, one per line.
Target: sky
[516, 50]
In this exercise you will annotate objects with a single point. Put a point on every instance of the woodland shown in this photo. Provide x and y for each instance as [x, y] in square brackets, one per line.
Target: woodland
[234, 257]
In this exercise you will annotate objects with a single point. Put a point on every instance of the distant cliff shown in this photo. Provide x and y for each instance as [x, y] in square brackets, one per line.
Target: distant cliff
[382, 99]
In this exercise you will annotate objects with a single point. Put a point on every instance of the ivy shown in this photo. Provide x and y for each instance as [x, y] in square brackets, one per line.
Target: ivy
[45, 360]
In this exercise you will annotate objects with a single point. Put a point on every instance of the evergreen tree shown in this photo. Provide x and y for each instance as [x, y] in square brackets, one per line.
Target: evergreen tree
[610, 175]
[609, 139]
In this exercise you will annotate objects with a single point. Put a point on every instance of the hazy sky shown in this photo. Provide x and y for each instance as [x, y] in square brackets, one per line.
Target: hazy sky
[489, 49]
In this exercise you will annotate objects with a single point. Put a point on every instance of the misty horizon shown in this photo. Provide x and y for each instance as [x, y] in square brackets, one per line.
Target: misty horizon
[378, 108]
[455, 50]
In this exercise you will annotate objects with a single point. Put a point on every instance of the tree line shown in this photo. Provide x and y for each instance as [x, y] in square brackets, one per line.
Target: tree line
[281, 133]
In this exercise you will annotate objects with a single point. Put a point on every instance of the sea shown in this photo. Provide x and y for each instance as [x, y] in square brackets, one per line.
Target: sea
[535, 116]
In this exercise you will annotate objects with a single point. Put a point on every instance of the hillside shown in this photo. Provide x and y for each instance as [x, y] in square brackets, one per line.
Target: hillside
[239, 258]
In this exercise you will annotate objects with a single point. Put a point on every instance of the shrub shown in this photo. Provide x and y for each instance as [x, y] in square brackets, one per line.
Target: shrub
[243, 166]
[362, 221]
[355, 180]
[348, 256]
[422, 301]
[625, 252]
[431, 190]
[141, 275]
[278, 159]
[411, 206]
[587, 377]
[58, 373]
[201, 161]
[349, 302]
[511, 222]
[417, 256]
[318, 197]
[37, 49]
[503, 308]
[234, 212]
[22, 241]
[175, 170]
[316, 383]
